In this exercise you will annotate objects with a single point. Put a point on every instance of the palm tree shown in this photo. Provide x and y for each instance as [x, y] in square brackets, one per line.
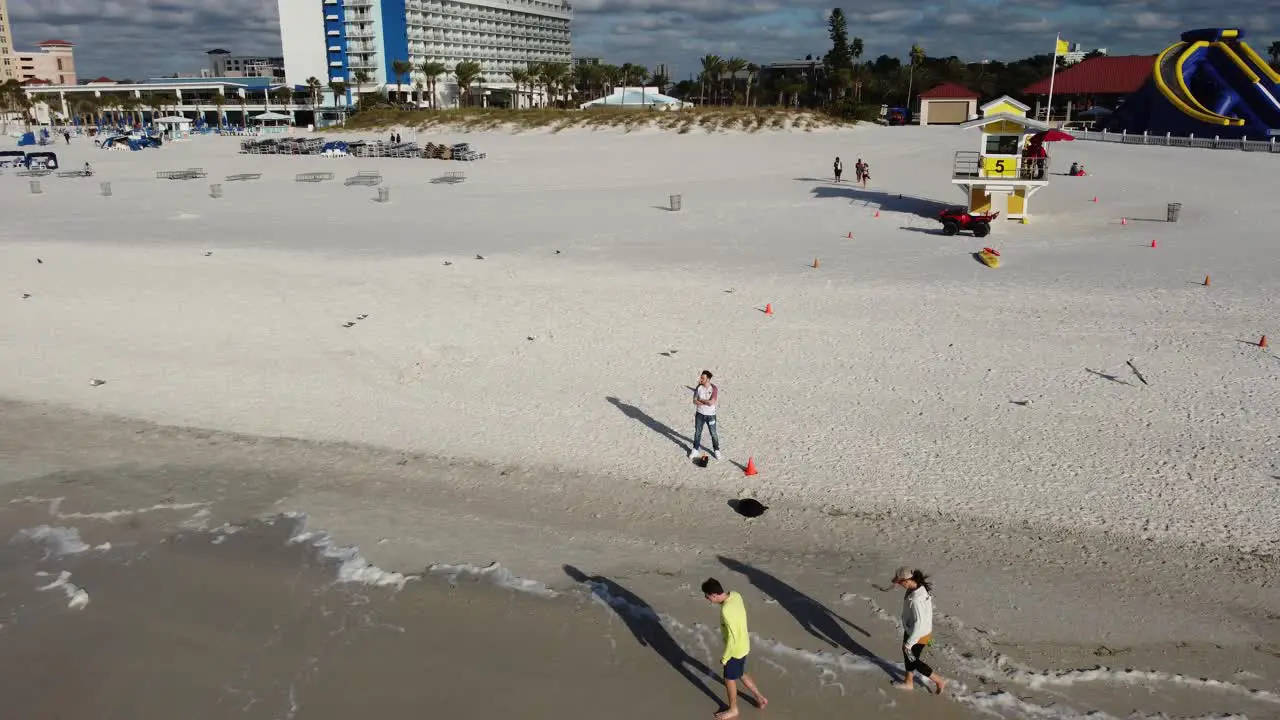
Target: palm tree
[432, 70]
[733, 66]
[753, 71]
[339, 90]
[466, 73]
[520, 77]
[400, 68]
[712, 65]
[916, 58]
[553, 77]
[610, 75]
[313, 88]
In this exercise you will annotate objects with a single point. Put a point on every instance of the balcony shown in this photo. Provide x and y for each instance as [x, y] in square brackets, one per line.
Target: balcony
[970, 165]
[355, 33]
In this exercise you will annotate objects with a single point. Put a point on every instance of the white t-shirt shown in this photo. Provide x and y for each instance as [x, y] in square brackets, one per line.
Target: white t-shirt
[707, 392]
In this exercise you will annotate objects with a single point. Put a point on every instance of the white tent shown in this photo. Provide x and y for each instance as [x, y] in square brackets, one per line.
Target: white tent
[639, 98]
[270, 116]
[179, 127]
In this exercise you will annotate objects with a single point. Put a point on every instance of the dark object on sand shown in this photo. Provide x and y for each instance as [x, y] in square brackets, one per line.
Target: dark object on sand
[750, 508]
[1135, 372]
[702, 460]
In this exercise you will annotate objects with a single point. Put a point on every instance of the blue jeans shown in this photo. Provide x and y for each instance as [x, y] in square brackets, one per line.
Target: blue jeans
[708, 421]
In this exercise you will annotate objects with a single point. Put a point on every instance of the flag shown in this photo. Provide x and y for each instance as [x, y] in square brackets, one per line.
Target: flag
[1063, 47]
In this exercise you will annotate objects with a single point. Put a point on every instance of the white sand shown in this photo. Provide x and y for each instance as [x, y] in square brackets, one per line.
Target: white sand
[885, 381]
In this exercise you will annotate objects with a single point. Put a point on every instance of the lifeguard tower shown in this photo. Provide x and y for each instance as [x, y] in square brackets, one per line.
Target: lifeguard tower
[997, 177]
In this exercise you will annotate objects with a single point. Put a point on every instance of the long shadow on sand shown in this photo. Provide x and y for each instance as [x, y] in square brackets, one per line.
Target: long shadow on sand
[644, 623]
[888, 202]
[648, 421]
[817, 619]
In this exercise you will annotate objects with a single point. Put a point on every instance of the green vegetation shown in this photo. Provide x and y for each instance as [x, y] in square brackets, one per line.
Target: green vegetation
[711, 119]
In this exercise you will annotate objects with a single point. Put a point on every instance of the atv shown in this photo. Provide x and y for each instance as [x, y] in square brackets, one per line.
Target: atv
[956, 219]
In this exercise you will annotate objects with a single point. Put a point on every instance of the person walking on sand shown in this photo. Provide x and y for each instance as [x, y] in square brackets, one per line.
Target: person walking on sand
[917, 627]
[705, 397]
[838, 168]
[737, 644]
[859, 168]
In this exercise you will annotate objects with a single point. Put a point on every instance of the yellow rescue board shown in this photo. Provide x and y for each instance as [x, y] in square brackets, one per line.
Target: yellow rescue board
[989, 257]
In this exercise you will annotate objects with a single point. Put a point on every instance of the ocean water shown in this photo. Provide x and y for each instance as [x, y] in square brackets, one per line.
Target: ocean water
[276, 619]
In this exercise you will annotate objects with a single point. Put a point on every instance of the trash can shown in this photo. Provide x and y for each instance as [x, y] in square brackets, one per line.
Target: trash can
[215, 190]
[106, 189]
[675, 203]
[384, 195]
[1175, 209]
[35, 187]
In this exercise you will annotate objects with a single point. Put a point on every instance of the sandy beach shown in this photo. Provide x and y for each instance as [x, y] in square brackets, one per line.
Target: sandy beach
[325, 371]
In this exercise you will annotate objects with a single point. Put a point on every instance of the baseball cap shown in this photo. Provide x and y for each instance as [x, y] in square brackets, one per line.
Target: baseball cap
[903, 573]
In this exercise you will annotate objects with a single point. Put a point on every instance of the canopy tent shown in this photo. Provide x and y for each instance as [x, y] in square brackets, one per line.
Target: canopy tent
[270, 116]
[179, 127]
[639, 98]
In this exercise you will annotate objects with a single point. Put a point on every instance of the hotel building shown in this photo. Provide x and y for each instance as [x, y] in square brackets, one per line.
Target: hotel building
[342, 40]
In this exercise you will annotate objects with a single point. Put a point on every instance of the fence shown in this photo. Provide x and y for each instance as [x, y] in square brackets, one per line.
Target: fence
[1169, 140]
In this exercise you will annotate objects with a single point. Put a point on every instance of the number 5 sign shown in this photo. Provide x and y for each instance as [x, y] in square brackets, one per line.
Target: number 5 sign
[1000, 166]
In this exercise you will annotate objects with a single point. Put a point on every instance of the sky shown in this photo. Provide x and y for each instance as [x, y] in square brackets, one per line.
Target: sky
[148, 38]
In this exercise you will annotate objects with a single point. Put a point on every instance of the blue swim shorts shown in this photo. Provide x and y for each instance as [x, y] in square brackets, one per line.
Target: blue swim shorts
[735, 668]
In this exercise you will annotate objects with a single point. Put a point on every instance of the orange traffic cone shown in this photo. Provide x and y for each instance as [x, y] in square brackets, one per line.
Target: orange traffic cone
[850, 235]
[768, 308]
[1153, 243]
[1095, 198]
[1124, 221]
[1263, 342]
[751, 467]
[1206, 281]
[877, 213]
[816, 263]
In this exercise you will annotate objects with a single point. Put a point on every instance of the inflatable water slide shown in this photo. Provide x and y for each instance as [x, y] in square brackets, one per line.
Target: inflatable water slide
[1211, 83]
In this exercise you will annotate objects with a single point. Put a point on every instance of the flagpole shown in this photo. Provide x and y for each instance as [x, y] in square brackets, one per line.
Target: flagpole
[1048, 113]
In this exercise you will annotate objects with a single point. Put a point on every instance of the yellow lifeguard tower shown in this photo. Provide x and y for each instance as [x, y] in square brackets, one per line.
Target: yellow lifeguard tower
[997, 177]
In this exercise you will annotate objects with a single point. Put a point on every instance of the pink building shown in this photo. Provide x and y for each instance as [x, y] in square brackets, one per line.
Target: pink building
[54, 64]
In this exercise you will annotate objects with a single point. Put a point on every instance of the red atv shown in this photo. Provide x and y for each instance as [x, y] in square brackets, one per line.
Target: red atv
[956, 219]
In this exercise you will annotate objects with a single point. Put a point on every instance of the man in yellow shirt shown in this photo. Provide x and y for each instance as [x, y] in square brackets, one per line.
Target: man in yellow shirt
[737, 643]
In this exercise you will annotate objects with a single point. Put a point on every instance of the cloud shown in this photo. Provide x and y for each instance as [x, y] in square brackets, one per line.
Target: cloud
[143, 38]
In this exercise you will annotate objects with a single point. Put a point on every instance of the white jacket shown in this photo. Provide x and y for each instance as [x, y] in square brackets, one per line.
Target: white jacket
[917, 616]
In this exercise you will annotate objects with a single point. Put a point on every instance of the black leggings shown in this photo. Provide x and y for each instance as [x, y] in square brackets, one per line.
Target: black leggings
[913, 662]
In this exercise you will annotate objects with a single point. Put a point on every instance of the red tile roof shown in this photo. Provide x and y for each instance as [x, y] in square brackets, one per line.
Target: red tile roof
[949, 91]
[1106, 75]
[36, 81]
[103, 79]
[55, 42]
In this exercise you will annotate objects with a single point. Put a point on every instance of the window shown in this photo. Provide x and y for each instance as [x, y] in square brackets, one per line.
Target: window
[59, 64]
[1003, 144]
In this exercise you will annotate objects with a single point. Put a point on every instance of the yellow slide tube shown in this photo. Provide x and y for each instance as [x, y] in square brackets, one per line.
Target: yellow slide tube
[1256, 60]
[1199, 112]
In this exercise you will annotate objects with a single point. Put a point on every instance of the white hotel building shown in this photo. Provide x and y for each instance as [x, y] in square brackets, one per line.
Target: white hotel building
[334, 39]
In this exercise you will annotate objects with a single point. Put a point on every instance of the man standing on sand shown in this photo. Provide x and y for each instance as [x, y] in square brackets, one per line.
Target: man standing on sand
[737, 644]
[705, 397]
[838, 168]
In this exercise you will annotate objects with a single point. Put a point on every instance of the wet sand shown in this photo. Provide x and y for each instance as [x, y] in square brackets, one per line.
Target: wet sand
[203, 607]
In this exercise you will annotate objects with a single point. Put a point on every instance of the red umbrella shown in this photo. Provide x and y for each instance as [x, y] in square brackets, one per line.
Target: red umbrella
[1052, 135]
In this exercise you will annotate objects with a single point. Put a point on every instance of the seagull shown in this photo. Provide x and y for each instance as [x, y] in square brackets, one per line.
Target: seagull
[96, 382]
[446, 262]
[39, 261]
[557, 252]
[207, 254]
[479, 257]
[350, 324]
[363, 316]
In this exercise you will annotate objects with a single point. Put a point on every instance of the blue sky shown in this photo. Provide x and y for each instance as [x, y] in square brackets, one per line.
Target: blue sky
[141, 38]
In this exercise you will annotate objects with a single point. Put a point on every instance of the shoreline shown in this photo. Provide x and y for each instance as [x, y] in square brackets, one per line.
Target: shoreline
[1010, 621]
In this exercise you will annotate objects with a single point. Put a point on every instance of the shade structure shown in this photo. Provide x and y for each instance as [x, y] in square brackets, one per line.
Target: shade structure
[269, 116]
[1053, 135]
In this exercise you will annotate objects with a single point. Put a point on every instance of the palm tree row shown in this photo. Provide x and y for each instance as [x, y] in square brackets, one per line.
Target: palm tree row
[722, 78]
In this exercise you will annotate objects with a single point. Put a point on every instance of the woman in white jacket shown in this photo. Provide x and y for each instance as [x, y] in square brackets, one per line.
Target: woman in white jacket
[917, 627]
